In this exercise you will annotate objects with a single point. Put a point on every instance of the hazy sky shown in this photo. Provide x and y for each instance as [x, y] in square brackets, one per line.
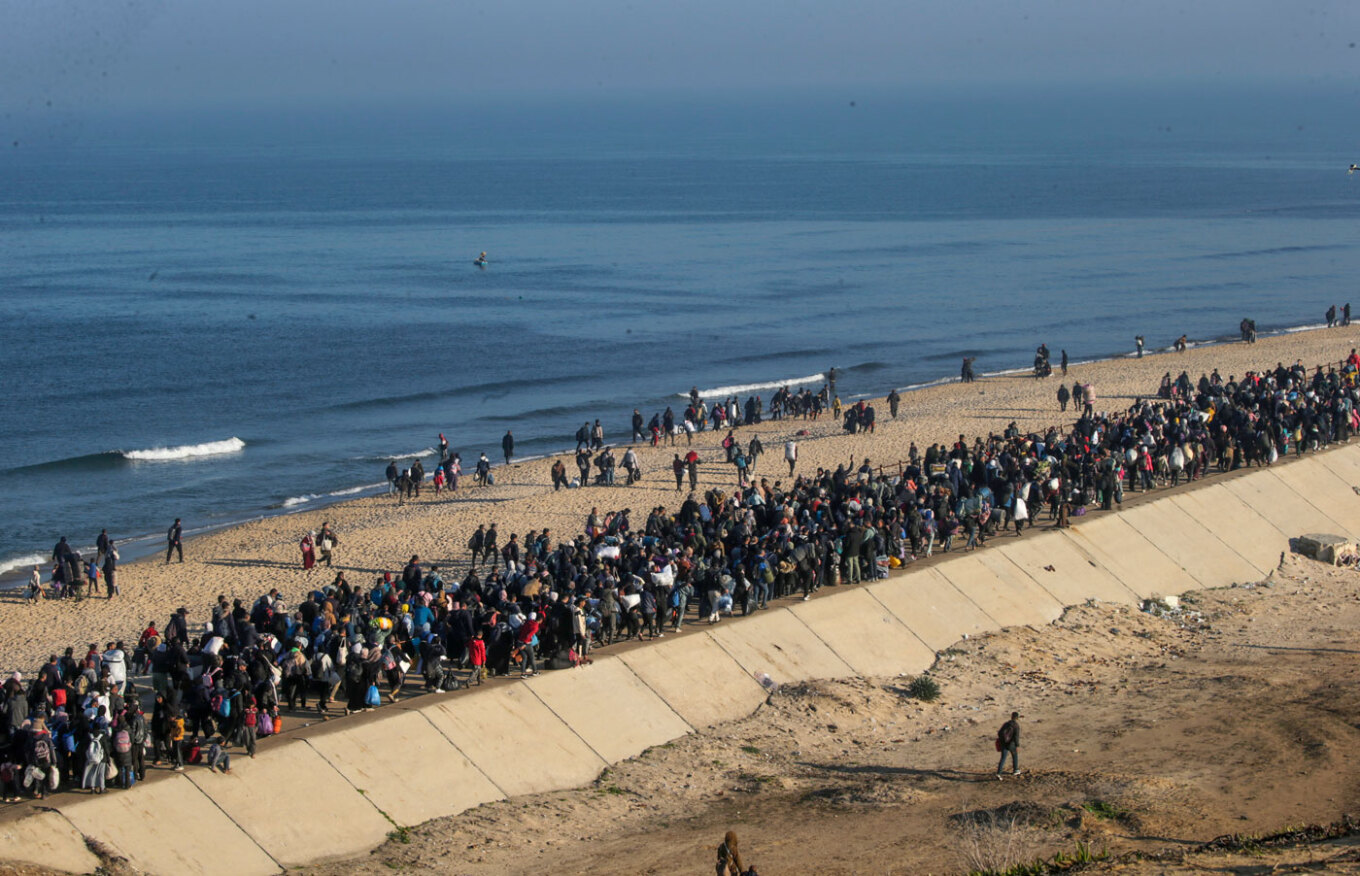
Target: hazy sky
[137, 53]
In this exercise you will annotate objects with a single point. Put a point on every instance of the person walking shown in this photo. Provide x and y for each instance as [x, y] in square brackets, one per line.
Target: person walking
[174, 541]
[1008, 742]
[327, 542]
[791, 454]
[1138, 342]
[508, 445]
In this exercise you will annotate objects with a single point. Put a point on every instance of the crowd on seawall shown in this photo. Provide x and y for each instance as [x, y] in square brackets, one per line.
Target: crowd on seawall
[208, 683]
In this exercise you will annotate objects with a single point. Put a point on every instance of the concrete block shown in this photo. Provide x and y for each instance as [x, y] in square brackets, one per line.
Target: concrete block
[1279, 503]
[515, 740]
[863, 633]
[780, 645]
[1323, 488]
[404, 765]
[294, 804]
[1128, 555]
[45, 839]
[1013, 600]
[932, 607]
[1063, 570]
[610, 708]
[1334, 550]
[1238, 526]
[1197, 551]
[168, 826]
[697, 678]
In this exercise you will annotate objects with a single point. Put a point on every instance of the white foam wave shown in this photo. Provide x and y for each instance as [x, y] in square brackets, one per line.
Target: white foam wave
[397, 457]
[187, 451]
[295, 501]
[813, 381]
[23, 562]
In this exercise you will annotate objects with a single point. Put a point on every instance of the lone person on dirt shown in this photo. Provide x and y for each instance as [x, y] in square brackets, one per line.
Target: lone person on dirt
[1008, 742]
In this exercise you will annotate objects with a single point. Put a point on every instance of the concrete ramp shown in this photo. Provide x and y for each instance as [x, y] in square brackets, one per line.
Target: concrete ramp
[1345, 462]
[697, 678]
[610, 708]
[1013, 600]
[1279, 503]
[777, 643]
[863, 633]
[295, 805]
[1197, 551]
[1061, 569]
[169, 826]
[1254, 538]
[404, 766]
[932, 607]
[1321, 487]
[1128, 555]
[45, 839]
[516, 740]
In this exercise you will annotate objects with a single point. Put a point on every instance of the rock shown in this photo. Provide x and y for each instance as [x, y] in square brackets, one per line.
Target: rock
[1331, 549]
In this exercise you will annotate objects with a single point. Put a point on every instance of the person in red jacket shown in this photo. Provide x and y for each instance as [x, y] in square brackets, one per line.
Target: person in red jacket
[527, 632]
[477, 656]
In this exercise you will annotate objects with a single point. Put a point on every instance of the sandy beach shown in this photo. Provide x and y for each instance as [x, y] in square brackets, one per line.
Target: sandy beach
[376, 534]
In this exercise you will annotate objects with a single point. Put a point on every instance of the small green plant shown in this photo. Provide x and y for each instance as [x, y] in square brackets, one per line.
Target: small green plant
[401, 835]
[924, 688]
[750, 749]
[612, 789]
[1105, 810]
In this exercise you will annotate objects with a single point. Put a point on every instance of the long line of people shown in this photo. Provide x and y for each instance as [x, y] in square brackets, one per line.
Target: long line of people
[538, 603]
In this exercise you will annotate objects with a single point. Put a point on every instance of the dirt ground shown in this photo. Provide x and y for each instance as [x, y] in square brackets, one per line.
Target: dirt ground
[1141, 733]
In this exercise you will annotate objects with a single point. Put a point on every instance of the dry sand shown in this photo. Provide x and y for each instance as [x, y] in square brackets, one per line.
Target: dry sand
[1141, 734]
[377, 535]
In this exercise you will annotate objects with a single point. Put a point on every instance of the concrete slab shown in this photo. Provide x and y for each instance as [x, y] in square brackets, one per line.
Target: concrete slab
[516, 740]
[405, 766]
[45, 839]
[1345, 461]
[1013, 600]
[780, 645]
[1255, 538]
[862, 631]
[1195, 549]
[169, 826]
[610, 708]
[697, 678]
[1062, 569]
[1279, 503]
[931, 606]
[294, 804]
[1128, 555]
[1322, 487]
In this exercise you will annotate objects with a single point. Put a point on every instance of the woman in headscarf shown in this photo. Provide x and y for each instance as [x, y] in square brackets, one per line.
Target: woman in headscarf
[309, 551]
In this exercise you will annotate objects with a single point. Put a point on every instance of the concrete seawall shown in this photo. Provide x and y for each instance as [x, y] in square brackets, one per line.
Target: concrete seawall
[337, 789]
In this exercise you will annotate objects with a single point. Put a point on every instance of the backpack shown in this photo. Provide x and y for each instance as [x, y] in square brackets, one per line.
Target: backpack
[42, 751]
[1004, 736]
[221, 705]
[122, 742]
[94, 752]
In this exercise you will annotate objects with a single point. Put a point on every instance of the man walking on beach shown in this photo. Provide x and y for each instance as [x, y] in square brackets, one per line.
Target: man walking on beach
[894, 399]
[791, 454]
[1008, 742]
[508, 445]
[173, 541]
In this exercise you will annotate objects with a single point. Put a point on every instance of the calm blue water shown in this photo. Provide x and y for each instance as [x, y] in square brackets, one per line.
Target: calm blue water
[304, 284]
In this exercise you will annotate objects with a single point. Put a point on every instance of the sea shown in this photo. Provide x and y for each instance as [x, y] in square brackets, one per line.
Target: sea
[219, 314]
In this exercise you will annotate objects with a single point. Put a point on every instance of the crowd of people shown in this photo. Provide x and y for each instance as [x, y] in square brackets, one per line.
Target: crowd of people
[514, 607]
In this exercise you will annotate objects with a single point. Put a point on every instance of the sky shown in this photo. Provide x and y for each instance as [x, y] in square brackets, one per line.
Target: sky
[68, 56]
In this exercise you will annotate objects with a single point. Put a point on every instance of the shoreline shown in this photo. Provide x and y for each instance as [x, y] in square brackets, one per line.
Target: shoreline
[143, 546]
[376, 534]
